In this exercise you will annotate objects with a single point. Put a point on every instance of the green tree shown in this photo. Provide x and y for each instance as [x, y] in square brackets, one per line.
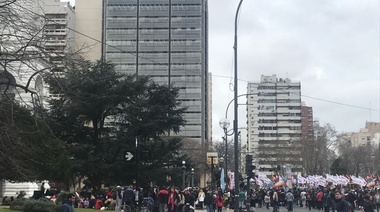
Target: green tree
[103, 114]
[29, 151]
[338, 167]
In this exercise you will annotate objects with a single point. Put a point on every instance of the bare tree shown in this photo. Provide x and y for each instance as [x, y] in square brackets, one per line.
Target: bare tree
[24, 66]
[220, 147]
[319, 151]
[360, 160]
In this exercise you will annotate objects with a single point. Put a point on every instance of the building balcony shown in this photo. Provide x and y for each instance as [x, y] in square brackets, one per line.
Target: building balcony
[56, 21]
[52, 43]
[58, 32]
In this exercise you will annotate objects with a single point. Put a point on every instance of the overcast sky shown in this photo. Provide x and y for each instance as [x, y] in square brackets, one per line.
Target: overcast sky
[331, 46]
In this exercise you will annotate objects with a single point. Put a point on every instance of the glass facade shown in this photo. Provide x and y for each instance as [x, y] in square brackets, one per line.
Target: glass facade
[170, 45]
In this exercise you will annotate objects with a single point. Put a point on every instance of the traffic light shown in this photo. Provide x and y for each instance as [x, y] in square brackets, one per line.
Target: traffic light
[249, 167]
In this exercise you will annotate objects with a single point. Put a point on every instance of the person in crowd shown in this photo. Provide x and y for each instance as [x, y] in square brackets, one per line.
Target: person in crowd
[377, 200]
[162, 197]
[260, 197]
[319, 199]
[241, 198]
[201, 198]
[189, 197]
[289, 197]
[209, 201]
[296, 194]
[181, 200]
[43, 189]
[172, 200]
[351, 198]
[309, 199]
[368, 205]
[219, 201]
[328, 201]
[109, 193]
[68, 203]
[86, 203]
[267, 201]
[119, 199]
[129, 196]
[99, 203]
[275, 201]
[341, 205]
[303, 199]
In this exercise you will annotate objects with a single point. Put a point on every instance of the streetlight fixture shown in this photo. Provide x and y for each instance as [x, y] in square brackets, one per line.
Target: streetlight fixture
[183, 174]
[192, 177]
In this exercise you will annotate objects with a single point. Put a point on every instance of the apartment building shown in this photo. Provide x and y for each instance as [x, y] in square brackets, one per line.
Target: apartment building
[367, 136]
[59, 36]
[274, 124]
[59, 26]
[307, 130]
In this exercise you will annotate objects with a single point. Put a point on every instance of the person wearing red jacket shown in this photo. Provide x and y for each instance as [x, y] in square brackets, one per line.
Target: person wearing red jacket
[98, 204]
[173, 199]
[319, 200]
[219, 202]
[162, 197]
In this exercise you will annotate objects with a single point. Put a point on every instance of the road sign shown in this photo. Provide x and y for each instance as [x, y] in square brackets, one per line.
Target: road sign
[212, 156]
[128, 156]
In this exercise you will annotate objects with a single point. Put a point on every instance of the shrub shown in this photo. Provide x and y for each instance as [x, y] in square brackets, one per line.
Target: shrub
[18, 204]
[29, 205]
[6, 200]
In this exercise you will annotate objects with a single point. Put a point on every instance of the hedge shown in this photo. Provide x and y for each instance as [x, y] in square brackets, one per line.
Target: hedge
[30, 205]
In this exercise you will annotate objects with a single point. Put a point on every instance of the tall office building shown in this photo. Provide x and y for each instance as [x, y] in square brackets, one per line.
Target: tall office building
[165, 39]
[274, 124]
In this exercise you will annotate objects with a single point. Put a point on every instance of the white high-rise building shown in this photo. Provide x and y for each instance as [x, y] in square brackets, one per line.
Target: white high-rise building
[59, 26]
[274, 124]
[20, 52]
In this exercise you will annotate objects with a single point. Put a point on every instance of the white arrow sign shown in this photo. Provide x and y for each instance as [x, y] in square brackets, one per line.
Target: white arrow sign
[128, 156]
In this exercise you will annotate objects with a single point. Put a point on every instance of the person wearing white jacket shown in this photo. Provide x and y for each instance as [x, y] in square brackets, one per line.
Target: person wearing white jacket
[201, 198]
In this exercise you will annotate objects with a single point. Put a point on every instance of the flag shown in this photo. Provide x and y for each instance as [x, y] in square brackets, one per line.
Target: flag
[222, 183]
[370, 181]
[278, 181]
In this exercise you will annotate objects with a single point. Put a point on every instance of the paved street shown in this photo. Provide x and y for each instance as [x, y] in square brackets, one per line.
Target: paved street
[282, 209]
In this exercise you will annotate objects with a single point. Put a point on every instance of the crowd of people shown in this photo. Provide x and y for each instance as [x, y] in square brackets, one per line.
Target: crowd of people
[321, 199]
[157, 199]
[171, 199]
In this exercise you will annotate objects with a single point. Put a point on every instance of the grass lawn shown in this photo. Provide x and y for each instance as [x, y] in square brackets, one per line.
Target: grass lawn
[6, 209]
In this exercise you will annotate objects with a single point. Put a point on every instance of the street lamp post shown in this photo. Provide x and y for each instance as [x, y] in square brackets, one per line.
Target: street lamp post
[183, 174]
[236, 136]
[224, 124]
[192, 177]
